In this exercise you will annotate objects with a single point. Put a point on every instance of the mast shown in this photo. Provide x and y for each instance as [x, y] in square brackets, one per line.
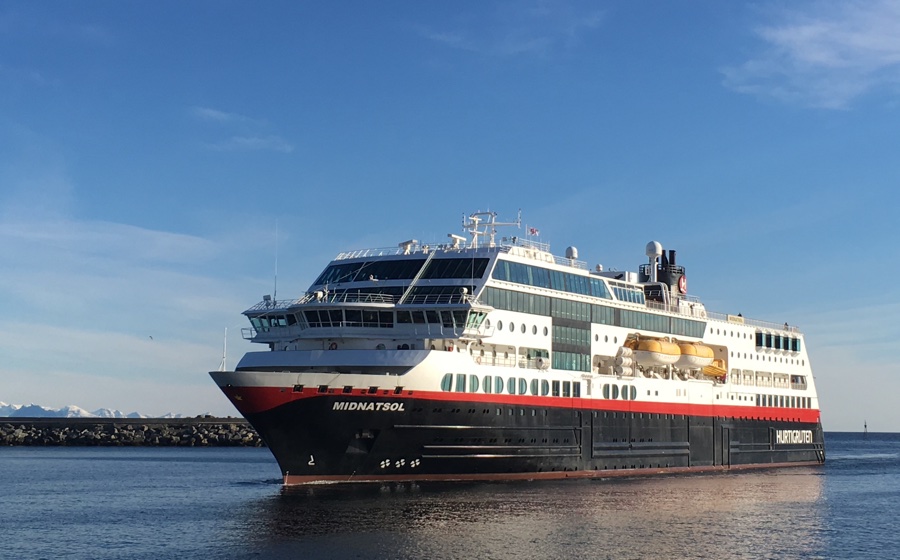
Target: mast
[224, 350]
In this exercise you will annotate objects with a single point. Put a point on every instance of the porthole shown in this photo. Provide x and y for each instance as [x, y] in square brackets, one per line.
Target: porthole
[499, 325]
[512, 327]
[596, 338]
[615, 340]
[545, 331]
[606, 338]
[523, 328]
[487, 323]
[534, 329]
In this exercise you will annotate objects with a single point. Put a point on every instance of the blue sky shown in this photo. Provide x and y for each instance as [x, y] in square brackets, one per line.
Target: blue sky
[149, 153]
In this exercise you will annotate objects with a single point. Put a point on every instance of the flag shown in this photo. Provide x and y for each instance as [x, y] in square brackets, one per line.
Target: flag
[534, 231]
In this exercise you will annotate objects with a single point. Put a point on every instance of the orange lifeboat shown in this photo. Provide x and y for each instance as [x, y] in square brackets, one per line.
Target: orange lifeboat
[654, 352]
[694, 356]
[715, 369]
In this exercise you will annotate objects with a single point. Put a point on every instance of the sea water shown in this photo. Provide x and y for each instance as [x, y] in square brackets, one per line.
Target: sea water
[228, 503]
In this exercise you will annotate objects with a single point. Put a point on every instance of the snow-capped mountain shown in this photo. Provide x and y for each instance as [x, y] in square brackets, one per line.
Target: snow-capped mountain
[8, 409]
[71, 411]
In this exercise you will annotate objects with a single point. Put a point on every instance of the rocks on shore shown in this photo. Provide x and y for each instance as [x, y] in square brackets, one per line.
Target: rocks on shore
[122, 433]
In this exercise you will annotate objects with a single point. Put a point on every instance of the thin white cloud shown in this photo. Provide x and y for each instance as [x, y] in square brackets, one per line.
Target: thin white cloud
[252, 143]
[826, 55]
[539, 29]
[82, 300]
[214, 115]
[247, 132]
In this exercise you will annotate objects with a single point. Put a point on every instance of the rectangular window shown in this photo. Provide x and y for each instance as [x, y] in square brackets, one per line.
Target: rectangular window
[567, 389]
[555, 386]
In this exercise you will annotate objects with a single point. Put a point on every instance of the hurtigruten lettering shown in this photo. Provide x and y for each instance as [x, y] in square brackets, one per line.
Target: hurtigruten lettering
[369, 406]
[793, 436]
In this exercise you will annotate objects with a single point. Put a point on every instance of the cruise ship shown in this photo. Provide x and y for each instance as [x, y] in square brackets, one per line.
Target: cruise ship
[487, 357]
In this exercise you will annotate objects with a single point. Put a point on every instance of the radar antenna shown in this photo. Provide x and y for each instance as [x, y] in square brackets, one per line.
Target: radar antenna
[481, 224]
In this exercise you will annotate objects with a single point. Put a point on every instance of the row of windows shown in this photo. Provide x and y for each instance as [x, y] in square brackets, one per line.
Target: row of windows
[273, 321]
[553, 279]
[568, 309]
[517, 301]
[645, 321]
[381, 319]
[571, 335]
[767, 379]
[455, 268]
[777, 341]
[783, 401]
[627, 392]
[600, 314]
[349, 318]
[512, 327]
[571, 361]
[404, 269]
[458, 318]
[627, 292]
[462, 383]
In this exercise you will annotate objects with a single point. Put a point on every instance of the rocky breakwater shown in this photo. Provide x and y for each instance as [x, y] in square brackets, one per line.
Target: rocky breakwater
[182, 432]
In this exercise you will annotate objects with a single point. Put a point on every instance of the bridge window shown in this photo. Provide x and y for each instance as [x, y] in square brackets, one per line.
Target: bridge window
[455, 268]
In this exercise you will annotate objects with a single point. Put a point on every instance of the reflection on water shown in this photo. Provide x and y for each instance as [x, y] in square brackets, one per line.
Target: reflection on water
[202, 504]
[747, 515]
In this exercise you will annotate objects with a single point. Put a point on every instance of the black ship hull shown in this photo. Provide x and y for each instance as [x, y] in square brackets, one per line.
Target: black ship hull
[333, 438]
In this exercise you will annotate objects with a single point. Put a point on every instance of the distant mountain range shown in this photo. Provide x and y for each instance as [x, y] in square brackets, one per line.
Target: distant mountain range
[71, 411]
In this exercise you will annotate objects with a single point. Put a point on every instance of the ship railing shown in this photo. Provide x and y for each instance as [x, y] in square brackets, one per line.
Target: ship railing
[362, 297]
[701, 313]
[351, 329]
[346, 297]
[517, 241]
[413, 249]
[570, 262]
[753, 322]
[440, 299]
[250, 333]
[504, 246]
[378, 252]
[272, 305]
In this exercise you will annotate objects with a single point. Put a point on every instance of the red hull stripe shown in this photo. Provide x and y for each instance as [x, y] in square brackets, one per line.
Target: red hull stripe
[295, 479]
[254, 400]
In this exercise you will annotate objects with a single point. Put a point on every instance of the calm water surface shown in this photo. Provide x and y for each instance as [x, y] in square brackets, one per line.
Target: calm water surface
[228, 503]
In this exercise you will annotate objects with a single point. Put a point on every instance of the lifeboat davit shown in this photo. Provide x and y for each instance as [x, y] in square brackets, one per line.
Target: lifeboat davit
[694, 356]
[653, 352]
